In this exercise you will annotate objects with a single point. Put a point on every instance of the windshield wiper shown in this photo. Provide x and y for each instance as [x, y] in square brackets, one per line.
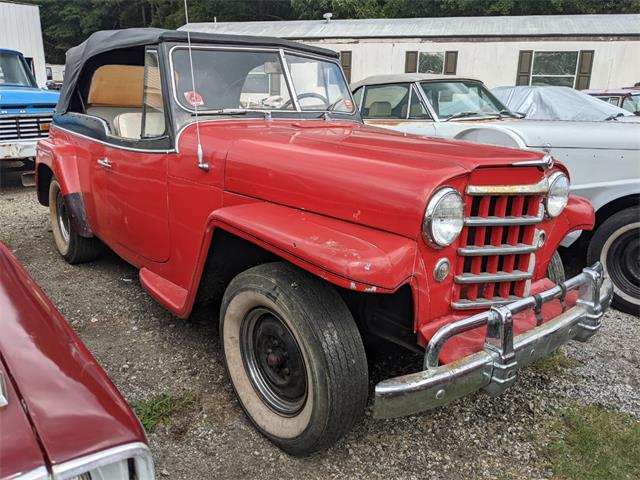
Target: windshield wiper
[511, 114]
[614, 117]
[237, 111]
[461, 115]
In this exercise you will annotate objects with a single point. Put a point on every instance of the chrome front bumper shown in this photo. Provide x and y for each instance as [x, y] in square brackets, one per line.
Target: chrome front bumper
[495, 368]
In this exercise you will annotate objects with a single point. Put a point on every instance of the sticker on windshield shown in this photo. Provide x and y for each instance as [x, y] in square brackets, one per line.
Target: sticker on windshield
[193, 98]
[348, 103]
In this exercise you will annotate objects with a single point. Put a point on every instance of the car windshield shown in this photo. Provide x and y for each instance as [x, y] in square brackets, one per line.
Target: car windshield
[461, 99]
[234, 81]
[632, 104]
[14, 70]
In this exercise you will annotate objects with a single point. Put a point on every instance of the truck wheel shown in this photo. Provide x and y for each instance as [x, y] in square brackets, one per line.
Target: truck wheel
[616, 244]
[294, 355]
[73, 247]
[555, 269]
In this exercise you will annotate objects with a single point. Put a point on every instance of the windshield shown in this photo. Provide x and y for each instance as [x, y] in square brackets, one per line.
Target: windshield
[14, 70]
[235, 80]
[461, 98]
[632, 103]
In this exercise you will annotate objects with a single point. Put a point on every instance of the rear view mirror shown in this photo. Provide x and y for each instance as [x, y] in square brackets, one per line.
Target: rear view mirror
[272, 67]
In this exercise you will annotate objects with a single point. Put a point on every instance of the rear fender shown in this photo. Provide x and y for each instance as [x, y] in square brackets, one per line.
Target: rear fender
[332, 249]
[61, 159]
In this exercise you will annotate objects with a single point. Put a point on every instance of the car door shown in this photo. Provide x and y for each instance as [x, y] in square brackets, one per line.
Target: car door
[135, 166]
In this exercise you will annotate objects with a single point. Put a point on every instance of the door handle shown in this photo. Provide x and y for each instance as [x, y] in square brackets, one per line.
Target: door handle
[105, 162]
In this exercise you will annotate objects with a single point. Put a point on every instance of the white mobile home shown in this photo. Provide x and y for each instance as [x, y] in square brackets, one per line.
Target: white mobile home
[581, 51]
[20, 30]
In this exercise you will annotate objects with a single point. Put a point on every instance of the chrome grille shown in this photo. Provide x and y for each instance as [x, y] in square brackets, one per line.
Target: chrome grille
[497, 249]
[24, 127]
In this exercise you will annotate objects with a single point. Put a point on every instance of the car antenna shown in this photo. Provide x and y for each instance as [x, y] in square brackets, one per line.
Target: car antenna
[202, 165]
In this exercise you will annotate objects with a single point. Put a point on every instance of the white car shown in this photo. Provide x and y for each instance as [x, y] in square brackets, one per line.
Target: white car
[603, 157]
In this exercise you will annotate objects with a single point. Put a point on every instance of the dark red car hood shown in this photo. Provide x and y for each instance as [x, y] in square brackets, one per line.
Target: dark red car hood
[343, 169]
[69, 400]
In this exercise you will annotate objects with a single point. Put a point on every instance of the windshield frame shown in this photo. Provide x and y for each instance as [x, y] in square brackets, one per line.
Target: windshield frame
[296, 111]
[439, 118]
[22, 61]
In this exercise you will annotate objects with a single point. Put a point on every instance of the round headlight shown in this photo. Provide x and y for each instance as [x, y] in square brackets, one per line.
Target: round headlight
[558, 194]
[444, 218]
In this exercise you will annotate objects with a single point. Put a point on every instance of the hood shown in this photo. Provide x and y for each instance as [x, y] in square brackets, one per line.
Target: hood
[611, 134]
[347, 170]
[12, 96]
[74, 408]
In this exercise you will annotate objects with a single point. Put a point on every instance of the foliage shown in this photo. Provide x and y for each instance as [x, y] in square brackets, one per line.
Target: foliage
[68, 22]
[554, 364]
[592, 443]
[161, 408]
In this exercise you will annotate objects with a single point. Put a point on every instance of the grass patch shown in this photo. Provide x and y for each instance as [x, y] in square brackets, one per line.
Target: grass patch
[554, 364]
[160, 409]
[593, 443]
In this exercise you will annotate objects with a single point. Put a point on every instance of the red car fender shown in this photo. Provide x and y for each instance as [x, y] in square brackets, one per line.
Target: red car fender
[329, 248]
[62, 160]
[326, 247]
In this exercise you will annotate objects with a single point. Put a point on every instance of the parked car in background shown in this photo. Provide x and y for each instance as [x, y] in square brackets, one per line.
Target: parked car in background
[603, 157]
[60, 415]
[627, 98]
[237, 168]
[25, 110]
[559, 103]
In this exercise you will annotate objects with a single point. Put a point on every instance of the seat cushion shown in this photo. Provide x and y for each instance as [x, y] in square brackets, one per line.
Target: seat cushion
[129, 124]
[380, 109]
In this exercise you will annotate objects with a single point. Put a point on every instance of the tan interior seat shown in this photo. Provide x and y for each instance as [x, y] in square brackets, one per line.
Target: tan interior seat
[380, 109]
[129, 125]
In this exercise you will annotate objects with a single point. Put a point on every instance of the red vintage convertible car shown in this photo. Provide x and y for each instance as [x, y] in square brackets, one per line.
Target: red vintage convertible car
[238, 169]
[60, 415]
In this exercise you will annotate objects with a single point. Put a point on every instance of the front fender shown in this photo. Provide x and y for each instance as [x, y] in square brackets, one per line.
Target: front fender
[346, 254]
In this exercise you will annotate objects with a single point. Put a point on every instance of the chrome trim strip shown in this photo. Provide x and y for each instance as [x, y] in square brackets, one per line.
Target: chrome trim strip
[502, 221]
[121, 147]
[496, 366]
[532, 189]
[4, 397]
[467, 278]
[40, 473]
[138, 451]
[479, 251]
[545, 162]
[482, 303]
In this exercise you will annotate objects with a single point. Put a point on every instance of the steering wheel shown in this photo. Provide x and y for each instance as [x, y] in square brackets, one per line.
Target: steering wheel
[308, 95]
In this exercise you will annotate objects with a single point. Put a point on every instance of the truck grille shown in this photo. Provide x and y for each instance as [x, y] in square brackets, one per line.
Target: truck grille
[24, 127]
[497, 249]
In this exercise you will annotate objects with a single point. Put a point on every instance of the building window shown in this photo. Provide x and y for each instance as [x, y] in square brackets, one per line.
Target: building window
[345, 62]
[438, 63]
[566, 69]
[554, 68]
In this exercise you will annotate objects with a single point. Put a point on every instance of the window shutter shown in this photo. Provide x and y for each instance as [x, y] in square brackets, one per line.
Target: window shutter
[585, 64]
[524, 67]
[345, 62]
[450, 63]
[411, 62]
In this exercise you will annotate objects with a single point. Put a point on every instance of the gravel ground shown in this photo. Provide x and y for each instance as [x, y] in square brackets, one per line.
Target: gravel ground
[148, 352]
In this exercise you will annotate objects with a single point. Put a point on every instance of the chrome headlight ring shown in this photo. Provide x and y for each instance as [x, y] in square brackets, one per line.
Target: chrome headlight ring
[444, 218]
[557, 196]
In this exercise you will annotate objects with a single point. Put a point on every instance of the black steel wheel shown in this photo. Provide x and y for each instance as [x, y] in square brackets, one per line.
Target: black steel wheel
[616, 244]
[294, 356]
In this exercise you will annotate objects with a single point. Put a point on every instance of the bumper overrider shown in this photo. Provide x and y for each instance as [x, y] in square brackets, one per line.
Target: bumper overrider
[495, 368]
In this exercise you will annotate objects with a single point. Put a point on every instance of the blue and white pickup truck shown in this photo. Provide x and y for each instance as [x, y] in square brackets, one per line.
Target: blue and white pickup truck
[25, 110]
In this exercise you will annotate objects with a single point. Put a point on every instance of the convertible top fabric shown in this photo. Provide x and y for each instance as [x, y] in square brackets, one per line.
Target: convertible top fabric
[556, 103]
[106, 40]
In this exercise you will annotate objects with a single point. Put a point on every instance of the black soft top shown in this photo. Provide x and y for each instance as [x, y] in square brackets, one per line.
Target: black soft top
[106, 40]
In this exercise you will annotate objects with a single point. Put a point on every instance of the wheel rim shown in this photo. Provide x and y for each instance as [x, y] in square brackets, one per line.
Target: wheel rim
[621, 256]
[273, 361]
[63, 217]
